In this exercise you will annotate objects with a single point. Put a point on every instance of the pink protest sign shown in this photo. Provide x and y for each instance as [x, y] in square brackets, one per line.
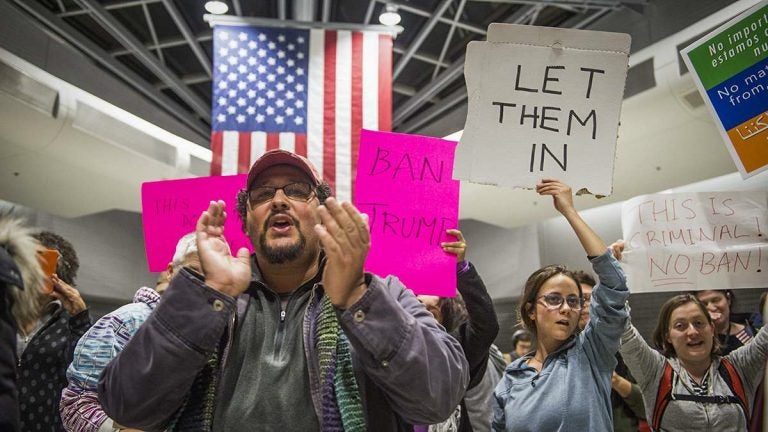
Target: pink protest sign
[170, 209]
[404, 184]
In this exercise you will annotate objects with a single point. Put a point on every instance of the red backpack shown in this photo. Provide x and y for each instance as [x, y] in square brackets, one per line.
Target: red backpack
[725, 370]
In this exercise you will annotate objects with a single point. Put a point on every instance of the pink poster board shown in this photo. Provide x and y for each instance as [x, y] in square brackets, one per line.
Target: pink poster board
[170, 209]
[404, 183]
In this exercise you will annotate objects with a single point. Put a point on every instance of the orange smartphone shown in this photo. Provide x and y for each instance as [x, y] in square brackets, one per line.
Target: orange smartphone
[49, 259]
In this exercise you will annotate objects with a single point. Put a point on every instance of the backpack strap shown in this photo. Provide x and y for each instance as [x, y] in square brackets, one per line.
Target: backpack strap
[663, 396]
[732, 378]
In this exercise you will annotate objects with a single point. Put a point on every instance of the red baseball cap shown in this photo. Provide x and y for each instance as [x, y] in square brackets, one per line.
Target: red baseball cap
[283, 157]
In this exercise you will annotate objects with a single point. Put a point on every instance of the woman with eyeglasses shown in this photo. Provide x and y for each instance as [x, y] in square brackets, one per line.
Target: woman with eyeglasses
[565, 383]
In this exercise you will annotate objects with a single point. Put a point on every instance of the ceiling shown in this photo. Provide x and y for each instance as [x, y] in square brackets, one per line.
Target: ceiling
[159, 52]
[167, 43]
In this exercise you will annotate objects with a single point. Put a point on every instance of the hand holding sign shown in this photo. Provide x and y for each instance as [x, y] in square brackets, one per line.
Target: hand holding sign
[458, 248]
[223, 272]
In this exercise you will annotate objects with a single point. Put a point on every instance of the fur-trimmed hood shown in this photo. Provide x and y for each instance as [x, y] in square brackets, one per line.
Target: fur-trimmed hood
[17, 239]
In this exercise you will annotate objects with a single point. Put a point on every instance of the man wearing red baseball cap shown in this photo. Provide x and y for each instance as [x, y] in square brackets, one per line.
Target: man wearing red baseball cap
[295, 336]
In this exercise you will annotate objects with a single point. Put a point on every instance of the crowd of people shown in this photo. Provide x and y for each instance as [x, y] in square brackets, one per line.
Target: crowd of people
[296, 336]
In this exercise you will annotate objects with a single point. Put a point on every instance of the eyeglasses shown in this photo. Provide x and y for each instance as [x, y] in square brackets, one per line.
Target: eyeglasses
[297, 191]
[554, 301]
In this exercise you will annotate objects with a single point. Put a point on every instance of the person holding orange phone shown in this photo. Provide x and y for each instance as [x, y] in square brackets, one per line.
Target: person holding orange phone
[49, 259]
[46, 343]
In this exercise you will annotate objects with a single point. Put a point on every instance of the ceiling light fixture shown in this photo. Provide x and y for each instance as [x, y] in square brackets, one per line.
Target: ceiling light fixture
[216, 7]
[390, 16]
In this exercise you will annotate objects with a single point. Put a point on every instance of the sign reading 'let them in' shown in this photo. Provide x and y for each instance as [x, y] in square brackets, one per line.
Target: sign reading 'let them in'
[404, 184]
[688, 241]
[543, 102]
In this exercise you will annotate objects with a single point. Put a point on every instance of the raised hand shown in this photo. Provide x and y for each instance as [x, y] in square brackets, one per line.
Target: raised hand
[562, 196]
[223, 272]
[617, 248]
[458, 248]
[69, 297]
[346, 240]
[561, 193]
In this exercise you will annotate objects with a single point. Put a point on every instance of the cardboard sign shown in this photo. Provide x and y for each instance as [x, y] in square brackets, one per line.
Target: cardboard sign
[691, 241]
[170, 209]
[543, 102]
[730, 68]
[404, 184]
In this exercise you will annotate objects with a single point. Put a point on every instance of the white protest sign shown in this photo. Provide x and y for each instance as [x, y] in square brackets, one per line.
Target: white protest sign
[543, 102]
[690, 241]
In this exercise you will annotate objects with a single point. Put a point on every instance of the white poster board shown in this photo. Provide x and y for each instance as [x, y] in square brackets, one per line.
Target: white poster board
[543, 102]
[692, 241]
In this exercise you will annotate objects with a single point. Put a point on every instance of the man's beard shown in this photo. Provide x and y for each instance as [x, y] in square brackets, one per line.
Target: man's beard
[280, 254]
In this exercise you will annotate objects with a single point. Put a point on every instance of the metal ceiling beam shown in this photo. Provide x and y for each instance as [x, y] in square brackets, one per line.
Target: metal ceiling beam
[326, 12]
[403, 89]
[236, 6]
[80, 42]
[205, 62]
[454, 71]
[421, 12]
[435, 111]
[190, 79]
[167, 43]
[152, 31]
[426, 58]
[426, 29]
[304, 10]
[123, 35]
[583, 20]
[582, 3]
[448, 38]
[369, 11]
[112, 6]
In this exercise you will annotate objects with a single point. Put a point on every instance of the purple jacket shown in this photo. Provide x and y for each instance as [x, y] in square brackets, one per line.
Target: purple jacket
[409, 370]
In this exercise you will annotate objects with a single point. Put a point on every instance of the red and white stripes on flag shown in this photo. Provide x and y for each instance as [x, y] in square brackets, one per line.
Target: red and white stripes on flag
[349, 87]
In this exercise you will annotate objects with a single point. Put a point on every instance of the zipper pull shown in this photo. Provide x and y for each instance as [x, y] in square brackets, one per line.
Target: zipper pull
[282, 316]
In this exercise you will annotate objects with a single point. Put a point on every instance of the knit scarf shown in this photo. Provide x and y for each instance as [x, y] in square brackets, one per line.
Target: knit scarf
[196, 413]
[341, 407]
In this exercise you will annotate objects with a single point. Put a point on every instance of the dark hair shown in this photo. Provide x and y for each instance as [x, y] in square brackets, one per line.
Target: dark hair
[322, 191]
[585, 278]
[453, 311]
[68, 263]
[521, 335]
[531, 291]
[661, 333]
[729, 295]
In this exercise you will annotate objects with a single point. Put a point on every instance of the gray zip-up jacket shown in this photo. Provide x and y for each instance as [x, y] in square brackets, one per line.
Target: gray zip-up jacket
[647, 365]
[572, 392]
[409, 370]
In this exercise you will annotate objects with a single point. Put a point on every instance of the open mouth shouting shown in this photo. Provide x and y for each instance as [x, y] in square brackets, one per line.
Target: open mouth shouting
[280, 224]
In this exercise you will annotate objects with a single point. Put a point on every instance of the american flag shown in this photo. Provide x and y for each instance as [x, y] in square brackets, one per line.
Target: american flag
[307, 91]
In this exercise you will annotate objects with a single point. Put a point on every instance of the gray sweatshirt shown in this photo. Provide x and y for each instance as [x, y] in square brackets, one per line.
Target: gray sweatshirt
[647, 365]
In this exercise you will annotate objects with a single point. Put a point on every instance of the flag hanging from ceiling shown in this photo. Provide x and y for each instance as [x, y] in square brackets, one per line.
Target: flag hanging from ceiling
[309, 91]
